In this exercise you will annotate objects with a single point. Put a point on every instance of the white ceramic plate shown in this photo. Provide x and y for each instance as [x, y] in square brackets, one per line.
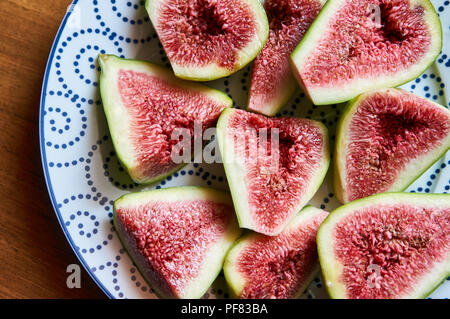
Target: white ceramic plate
[82, 171]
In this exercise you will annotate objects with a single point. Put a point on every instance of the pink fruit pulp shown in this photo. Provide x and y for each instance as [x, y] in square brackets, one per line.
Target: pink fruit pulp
[274, 195]
[174, 237]
[288, 21]
[402, 242]
[386, 132]
[201, 32]
[358, 47]
[156, 108]
[276, 267]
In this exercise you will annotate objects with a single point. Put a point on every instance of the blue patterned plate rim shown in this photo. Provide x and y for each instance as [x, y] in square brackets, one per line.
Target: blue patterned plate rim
[44, 157]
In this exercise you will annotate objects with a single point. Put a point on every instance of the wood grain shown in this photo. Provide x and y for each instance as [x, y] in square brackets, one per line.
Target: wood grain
[34, 253]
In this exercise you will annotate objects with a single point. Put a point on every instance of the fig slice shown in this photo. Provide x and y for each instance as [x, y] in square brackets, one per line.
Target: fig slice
[385, 140]
[387, 246]
[272, 81]
[280, 267]
[355, 46]
[209, 39]
[144, 103]
[178, 237]
[274, 166]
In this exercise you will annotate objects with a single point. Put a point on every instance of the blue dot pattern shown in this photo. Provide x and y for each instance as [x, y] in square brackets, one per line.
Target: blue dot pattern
[85, 176]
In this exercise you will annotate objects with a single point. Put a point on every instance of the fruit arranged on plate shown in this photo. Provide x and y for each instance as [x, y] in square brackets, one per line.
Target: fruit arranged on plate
[178, 237]
[280, 267]
[144, 103]
[386, 139]
[390, 245]
[272, 81]
[359, 45]
[393, 245]
[209, 39]
[273, 166]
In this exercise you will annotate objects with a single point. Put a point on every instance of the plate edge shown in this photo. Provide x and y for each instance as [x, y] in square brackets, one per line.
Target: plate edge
[44, 155]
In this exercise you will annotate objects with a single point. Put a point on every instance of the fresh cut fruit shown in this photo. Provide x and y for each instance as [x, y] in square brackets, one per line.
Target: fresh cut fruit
[386, 139]
[355, 46]
[144, 103]
[177, 237]
[209, 39]
[280, 267]
[387, 246]
[272, 81]
[273, 166]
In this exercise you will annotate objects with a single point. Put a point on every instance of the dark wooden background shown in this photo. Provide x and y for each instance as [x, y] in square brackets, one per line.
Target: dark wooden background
[34, 253]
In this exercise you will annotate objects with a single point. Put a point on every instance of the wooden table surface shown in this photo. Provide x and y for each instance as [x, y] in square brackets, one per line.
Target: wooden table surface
[34, 253]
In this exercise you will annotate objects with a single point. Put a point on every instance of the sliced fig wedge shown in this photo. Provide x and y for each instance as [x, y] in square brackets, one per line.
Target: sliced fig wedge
[355, 46]
[273, 166]
[385, 140]
[391, 245]
[280, 267]
[144, 103]
[178, 237]
[272, 81]
[209, 39]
